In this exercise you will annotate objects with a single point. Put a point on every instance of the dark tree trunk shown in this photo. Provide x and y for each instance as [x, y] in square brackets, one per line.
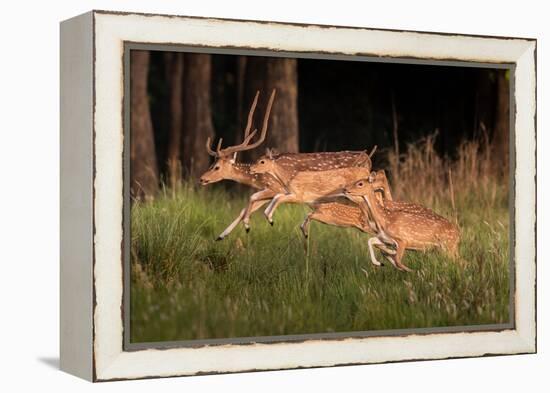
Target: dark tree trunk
[240, 76]
[174, 77]
[485, 100]
[144, 171]
[265, 74]
[501, 136]
[197, 119]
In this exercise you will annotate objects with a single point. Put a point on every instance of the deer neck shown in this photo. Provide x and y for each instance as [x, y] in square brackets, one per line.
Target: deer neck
[283, 175]
[372, 208]
[241, 174]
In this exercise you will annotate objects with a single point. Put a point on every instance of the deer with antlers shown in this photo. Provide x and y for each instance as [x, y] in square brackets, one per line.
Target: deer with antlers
[226, 167]
[412, 228]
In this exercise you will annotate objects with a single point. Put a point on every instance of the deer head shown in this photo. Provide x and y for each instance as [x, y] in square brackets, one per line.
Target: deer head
[224, 166]
[356, 191]
[264, 164]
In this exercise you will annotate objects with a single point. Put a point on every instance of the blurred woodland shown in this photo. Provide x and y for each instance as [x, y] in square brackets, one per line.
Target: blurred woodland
[178, 100]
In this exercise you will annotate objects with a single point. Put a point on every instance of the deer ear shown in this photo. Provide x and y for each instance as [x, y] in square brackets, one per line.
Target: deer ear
[372, 177]
[363, 160]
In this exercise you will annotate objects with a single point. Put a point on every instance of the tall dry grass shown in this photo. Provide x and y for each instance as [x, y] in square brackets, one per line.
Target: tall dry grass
[471, 178]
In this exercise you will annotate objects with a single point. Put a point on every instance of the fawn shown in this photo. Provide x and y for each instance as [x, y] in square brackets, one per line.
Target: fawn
[413, 228]
[322, 178]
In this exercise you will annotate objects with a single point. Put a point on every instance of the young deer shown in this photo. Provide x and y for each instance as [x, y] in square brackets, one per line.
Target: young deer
[322, 178]
[226, 167]
[350, 215]
[413, 228]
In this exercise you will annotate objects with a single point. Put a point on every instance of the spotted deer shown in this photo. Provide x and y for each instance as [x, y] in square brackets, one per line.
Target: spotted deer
[226, 167]
[413, 228]
[311, 184]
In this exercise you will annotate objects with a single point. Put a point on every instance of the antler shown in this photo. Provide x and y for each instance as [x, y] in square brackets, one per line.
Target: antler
[245, 145]
[209, 149]
[251, 115]
[372, 151]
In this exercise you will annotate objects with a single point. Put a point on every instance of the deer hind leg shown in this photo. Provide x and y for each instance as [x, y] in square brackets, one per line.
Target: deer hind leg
[305, 225]
[275, 202]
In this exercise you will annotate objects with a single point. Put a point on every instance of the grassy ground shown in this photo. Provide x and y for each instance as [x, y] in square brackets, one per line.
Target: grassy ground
[185, 285]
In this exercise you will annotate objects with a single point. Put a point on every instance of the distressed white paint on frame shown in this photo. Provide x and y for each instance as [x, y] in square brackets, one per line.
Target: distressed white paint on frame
[111, 30]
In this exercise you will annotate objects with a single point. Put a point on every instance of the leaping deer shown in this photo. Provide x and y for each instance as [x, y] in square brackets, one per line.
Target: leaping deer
[314, 183]
[413, 228]
[226, 167]
[350, 215]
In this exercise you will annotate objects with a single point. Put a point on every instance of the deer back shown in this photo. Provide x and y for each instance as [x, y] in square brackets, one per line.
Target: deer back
[292, 163]
[420, 230]
[312, 185]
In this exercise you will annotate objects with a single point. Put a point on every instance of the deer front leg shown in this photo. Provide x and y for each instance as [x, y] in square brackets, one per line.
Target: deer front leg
[374, 241]
[251, 209]
[386, 252]
[257, 200]
[241, 217]
[232, 226]
[275, 202]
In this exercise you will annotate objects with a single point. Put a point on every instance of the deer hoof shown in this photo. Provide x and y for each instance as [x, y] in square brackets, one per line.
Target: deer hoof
[247, 229]
[219, 238]
[271, 222]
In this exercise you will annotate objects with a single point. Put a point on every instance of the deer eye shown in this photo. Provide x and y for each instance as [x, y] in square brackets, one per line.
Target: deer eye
[360, 184]
[217, 168]
[262, 162]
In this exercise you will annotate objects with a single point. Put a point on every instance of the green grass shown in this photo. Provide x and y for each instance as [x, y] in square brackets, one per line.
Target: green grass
[185, 285]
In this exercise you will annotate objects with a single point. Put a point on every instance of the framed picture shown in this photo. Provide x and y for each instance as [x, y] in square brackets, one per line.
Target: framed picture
[244, 195]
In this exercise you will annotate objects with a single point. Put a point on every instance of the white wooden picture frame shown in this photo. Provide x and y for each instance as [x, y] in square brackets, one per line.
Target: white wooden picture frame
[92, 194]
